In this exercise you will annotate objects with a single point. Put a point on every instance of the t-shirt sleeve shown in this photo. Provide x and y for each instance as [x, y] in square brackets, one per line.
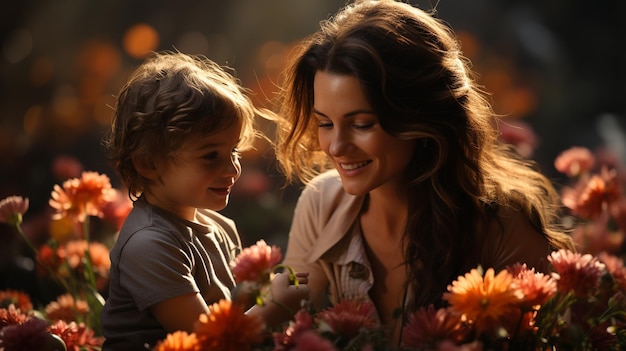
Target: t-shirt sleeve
[154, 267]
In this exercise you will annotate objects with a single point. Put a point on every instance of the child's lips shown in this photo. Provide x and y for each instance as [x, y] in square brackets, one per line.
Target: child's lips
[221, 191]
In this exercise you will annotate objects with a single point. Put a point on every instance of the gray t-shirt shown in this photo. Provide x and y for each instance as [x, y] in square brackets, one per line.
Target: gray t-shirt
[158, 256]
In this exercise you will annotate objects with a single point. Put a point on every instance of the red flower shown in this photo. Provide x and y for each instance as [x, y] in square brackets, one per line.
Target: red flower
[13, 297]
[11, 316]
[427, 327]
[348, 317]
[77, 337]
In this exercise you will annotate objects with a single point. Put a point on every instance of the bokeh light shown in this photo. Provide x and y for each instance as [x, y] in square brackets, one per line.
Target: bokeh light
[140, 39]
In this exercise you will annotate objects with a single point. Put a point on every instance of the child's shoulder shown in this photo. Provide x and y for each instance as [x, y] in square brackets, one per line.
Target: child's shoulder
[209, 217]
[225, 227]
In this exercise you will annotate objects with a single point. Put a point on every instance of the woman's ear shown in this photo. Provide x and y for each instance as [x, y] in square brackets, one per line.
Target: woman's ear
[145, 167]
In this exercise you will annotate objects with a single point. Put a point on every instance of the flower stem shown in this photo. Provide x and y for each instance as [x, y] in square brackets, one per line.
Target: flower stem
[45, 266]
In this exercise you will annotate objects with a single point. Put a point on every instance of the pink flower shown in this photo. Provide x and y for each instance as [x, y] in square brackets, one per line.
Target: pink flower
[348, 317]
[574, 161]
[12, 208]
[537, 288]
[427, 327]
[301, 323]
[255, 263]
[311, 341]
[576, 272]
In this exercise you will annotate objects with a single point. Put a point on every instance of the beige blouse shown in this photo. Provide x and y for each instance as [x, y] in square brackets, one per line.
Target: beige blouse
[326, 241]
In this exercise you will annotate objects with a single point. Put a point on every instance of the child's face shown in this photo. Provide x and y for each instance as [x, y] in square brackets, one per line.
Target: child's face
[200, 174]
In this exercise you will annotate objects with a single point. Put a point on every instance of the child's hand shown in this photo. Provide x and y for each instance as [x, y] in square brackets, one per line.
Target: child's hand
[286, 293]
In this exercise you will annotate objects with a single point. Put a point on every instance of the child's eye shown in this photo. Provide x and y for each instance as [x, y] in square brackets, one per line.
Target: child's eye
[210, 156]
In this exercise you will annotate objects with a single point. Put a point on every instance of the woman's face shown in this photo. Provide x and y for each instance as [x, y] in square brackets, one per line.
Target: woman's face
[367, 157]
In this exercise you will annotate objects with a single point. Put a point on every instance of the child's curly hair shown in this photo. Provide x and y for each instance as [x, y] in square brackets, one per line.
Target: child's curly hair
[171, 97]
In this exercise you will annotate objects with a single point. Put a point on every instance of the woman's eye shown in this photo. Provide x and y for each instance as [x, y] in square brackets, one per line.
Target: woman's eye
[321, 124]
[364, 126]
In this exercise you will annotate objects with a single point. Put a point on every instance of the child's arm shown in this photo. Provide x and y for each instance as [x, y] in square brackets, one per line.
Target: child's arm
[284, 301]
[180, 312]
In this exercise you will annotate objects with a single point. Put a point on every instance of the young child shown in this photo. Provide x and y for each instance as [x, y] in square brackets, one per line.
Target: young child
[179, 125]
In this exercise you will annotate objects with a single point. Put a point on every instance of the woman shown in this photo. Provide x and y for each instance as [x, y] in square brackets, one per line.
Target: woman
[422, 191]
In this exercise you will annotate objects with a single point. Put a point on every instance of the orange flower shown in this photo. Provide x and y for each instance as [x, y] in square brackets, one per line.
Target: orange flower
[484, 301]
[19, 299]
[590, 198]
[179, 341]
[576, 272]
[574, 161]
[12, 208]
[74, 252]
[427, 327]
[82, 197]
[348, 317]
[255, 263]
[67, 309]
[11, 316]
[77, 336]
[227, 328]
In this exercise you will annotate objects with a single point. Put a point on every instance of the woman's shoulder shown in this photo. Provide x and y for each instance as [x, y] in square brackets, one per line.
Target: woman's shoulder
[326, 188]
[510, 237]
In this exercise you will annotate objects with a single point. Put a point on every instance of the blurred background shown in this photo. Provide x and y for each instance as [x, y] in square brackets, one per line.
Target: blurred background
[555, 70]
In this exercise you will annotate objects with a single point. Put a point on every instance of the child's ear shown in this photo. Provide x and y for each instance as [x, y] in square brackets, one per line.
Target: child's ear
[145, 167]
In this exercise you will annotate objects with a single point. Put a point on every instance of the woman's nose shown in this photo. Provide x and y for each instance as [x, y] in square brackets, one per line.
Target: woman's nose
[339, 143]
